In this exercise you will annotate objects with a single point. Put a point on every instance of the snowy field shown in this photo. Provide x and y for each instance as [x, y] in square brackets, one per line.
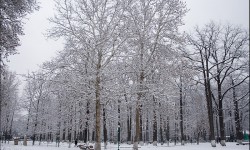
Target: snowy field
[64, 146]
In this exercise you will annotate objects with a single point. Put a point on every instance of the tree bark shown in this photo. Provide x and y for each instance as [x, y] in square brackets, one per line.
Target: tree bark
[137, 124]
[205, 71]
[140, 137]
[105, 136]
[98, 113]
[239, 134]
[198, 138]
[98, 104]
[168, 131]
[138, 104]
[34, 132]
[129, 123]
[155, 125]
[221, 119]
[181, 114]
[129, 115]
[147, 132]
[217, 128]
[86, 130]
[210, 114]
[161, 131]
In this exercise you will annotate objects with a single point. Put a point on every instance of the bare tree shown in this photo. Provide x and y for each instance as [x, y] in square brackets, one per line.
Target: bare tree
[222, 51]
[202, 43]
[228, 53]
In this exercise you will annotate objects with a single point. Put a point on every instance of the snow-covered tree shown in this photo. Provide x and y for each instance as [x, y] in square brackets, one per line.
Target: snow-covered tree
[11, 23]
[152, 30]
[9, 95]
[218, 52]
[12, 13]
[95, 29]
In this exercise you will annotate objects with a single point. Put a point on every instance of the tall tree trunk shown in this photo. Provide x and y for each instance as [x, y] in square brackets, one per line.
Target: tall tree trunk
[141, 129]
[40, 139]
[210, 115]
[168, 131]
[205, 71]
[98, 113]
[138, 107]
[221, 119]
[161, 131]
[239, 133]
[105, 136]
[155, 130]
[181, 114]
[34, 132]
[198, 138]
[137, 124]
[34, 136]
[11, 122]
[128, 120]
[119, 122]
[86, 130]
[154, 124]
[98, 103]
[217, 128]
[147, 132]
[175, 132]
[69, 137]
[129, 125]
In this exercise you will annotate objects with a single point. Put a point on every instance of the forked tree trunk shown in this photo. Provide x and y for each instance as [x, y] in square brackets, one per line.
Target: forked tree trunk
[205, 71]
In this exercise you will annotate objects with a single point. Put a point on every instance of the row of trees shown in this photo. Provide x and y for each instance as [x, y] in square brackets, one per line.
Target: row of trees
[126, 65]
[181, 98]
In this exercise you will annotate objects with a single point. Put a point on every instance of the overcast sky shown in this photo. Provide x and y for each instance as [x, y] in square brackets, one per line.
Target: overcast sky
[36, 49]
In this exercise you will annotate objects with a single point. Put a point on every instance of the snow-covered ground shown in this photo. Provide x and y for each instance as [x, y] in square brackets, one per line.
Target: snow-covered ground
[64, 146]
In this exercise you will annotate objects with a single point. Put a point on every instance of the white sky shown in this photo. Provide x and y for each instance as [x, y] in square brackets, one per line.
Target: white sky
[36, 49]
